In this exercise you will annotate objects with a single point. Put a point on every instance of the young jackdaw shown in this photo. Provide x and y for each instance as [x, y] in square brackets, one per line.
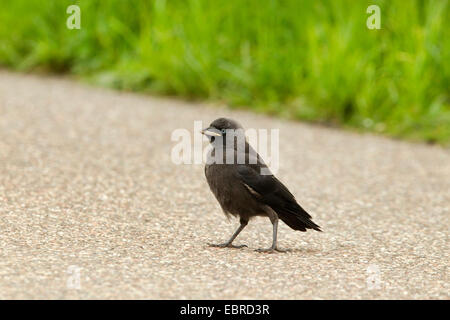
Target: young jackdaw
[244, 186]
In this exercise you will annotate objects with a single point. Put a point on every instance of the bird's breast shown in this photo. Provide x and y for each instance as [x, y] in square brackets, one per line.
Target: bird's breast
[231, 193]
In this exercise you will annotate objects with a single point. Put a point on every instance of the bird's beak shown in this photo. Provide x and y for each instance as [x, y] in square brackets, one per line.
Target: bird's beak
[210, 132]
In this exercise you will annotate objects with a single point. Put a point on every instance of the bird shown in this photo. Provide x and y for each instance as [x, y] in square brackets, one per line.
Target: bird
[247, 188]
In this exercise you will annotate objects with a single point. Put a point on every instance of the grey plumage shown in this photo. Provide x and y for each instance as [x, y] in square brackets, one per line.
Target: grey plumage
[240, 188]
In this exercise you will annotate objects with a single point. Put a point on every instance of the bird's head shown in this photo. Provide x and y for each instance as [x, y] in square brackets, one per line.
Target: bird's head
[220, 127]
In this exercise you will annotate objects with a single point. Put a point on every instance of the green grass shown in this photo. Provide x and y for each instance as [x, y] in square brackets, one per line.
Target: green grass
[311, 60]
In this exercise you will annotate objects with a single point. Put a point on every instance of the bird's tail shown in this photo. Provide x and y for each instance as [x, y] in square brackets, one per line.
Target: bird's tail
[297, 218]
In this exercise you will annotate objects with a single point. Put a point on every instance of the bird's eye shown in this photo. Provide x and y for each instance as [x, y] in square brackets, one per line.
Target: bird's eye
[223, 131]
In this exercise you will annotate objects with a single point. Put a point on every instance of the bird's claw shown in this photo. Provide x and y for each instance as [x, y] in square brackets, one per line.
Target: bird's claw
[271, 250]
[226, 245]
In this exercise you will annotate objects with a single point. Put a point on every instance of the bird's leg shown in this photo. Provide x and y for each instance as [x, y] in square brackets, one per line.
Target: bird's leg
[229, 242]
[274, 219]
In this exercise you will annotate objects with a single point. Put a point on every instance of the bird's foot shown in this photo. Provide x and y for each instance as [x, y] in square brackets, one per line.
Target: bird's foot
[226, 245]
[271, 250]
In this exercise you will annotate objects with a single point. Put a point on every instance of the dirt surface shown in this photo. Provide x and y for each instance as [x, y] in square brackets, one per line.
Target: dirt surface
[88, 189]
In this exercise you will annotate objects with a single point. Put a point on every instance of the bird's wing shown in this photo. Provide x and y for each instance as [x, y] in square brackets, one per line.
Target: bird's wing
[269, 190]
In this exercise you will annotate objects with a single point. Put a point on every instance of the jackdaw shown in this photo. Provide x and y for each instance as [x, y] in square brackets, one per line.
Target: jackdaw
[246, 188]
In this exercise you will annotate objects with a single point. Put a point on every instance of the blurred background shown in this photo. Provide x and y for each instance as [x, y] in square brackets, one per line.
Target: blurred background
[299, 59]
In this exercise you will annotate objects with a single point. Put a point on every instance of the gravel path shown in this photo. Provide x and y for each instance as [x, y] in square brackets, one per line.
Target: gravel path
[87, 188]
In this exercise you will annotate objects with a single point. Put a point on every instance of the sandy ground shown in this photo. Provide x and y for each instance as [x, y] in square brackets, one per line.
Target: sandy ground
[91, 206]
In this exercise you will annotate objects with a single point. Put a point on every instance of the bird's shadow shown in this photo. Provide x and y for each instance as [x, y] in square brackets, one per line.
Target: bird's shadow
[302, 250]
[285, 250]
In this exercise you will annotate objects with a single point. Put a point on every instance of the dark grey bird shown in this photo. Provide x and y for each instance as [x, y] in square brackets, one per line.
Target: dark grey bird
[246, 188]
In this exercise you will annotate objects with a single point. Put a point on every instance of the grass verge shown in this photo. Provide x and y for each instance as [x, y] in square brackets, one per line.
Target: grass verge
[301, 59]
